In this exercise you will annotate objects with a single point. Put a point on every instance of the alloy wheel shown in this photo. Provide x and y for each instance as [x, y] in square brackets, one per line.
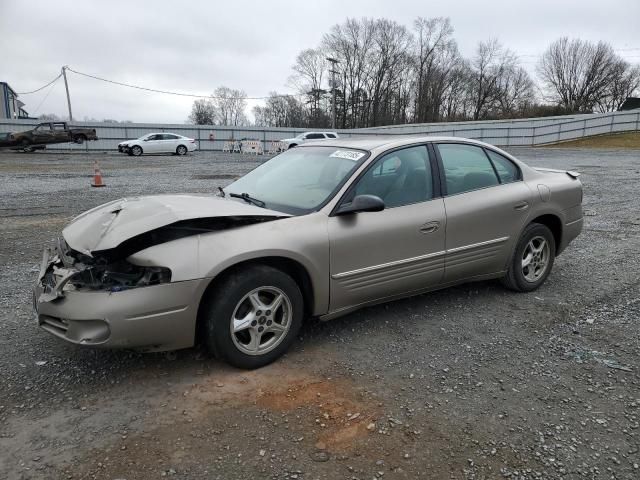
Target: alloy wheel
[261, 320]
[535, 259]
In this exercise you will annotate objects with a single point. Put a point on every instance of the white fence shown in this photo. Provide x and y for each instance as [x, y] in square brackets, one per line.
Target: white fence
[521, 132]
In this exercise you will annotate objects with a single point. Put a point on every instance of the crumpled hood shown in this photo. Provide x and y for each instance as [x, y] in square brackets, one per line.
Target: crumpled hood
[108, 225]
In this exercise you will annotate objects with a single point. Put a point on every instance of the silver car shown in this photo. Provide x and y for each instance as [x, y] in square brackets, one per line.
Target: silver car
[317, 231]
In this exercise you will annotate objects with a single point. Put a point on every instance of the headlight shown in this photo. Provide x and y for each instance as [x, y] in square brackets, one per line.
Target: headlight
[118, 276]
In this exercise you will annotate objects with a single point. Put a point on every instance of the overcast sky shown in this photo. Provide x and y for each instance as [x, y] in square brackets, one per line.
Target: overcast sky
[194, 47]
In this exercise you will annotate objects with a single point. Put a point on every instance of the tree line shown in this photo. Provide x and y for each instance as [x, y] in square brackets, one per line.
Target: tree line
[389, 74]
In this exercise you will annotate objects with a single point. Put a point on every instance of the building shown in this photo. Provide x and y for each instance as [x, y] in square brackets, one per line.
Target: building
[10, 106]
[631, 103]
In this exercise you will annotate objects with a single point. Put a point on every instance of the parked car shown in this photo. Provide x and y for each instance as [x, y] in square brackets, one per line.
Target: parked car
[46, 134]
[158, 143]
[303, 137]
[320, 230]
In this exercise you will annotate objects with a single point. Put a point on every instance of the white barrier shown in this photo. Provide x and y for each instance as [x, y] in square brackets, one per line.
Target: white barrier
[252, 146]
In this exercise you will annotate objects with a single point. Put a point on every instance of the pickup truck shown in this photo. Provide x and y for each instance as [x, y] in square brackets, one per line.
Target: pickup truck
[45, 134]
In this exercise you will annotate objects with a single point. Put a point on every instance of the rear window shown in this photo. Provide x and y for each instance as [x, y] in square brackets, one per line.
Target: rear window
[507, 170]
[466, 168]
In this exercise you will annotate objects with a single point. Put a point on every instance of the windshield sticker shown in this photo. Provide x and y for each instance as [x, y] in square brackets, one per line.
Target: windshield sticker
[348, 154]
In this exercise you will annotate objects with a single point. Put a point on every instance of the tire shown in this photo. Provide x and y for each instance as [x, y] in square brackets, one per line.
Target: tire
[181, 150]
[136, 150]
[232, 304]
[79, 139]
[537, 249]
[25, 145]
[292, 145]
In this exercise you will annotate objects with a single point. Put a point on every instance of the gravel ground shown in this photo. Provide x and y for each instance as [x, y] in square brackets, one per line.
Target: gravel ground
[470, 382]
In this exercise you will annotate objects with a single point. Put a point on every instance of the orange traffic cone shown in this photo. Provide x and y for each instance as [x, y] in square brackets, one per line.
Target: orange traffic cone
[97, 176]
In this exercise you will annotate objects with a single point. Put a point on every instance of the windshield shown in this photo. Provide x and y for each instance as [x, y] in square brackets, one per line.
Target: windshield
[299, 180]
[299, 136]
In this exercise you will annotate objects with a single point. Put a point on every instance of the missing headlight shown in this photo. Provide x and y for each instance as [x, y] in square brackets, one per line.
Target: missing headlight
[120, 275]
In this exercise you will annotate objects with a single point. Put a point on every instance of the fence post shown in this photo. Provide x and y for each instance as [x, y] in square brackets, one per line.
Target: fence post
[199, 143]
[264, 141]
[637, 120]
[559, 131]
[508, 135]
[584, 127]
[482, 134]
[611, 124]
[533, 136]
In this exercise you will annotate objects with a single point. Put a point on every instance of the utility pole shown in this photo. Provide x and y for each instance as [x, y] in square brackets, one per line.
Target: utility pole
[333, 72]
[66, 86]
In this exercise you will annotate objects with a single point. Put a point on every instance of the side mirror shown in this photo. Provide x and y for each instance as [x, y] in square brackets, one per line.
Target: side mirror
[362, 203]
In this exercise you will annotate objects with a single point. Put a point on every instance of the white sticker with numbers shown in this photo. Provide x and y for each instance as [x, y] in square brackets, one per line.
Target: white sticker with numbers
[348, 154]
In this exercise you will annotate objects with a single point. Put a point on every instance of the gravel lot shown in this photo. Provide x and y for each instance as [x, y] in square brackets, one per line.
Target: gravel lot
[470, 382]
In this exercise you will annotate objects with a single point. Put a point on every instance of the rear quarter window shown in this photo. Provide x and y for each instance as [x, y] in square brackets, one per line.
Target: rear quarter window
[507, 170]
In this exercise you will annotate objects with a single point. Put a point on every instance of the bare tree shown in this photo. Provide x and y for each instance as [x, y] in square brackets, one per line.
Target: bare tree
[625, 84]
[491, 63]
[578, 74]
[229, 106]
[202, 112]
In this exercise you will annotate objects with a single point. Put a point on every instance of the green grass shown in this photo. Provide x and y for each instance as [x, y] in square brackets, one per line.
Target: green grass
[629, 140]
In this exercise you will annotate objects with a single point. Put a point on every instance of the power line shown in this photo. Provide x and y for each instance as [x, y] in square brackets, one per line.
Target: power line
[41, 88]
[180, 94]
[46, 96]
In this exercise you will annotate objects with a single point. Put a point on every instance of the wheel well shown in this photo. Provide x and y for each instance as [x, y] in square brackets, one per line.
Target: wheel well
[181, 145]
[287, 265]
[554, 224]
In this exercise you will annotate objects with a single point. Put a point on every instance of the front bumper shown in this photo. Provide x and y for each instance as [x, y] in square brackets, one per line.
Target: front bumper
[154, 318]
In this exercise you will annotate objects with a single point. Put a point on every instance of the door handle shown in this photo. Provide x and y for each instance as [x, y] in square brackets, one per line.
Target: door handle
[521, 206]
[429, 227]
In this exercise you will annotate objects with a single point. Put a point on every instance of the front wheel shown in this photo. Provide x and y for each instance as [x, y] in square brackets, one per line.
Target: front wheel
[136, 151]
[181, 150]
[532, 260]
[253, 316]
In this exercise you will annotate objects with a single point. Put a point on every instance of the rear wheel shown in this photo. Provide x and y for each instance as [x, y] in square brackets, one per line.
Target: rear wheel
[136, 150]
[532, 260]
[181, 150]
[79, 139]
[253, 316]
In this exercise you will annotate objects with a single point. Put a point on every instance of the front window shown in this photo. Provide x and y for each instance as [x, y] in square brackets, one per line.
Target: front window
[402, 177]
[300, 180]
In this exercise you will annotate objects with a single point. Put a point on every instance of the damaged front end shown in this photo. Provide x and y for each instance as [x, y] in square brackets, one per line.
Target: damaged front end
[65, 269]
[127, 273]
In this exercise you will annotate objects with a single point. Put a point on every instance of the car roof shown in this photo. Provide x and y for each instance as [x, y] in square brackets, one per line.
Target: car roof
[375, 142]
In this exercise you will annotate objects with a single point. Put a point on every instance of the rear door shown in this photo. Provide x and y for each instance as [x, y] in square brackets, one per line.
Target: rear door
[487, 204]
[60, 133]
[169, 142]
[375, 255]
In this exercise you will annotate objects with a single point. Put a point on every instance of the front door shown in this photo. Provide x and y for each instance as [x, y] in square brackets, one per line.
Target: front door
[487, 205]
[153, 143]
[43, 134]
[375, 255]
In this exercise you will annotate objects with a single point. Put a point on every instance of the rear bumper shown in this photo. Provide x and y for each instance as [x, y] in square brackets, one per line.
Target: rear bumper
[570, 231]
[154, 318]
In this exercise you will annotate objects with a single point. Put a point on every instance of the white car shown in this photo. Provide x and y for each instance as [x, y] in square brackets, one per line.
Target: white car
[158, 143]
[303, 137]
